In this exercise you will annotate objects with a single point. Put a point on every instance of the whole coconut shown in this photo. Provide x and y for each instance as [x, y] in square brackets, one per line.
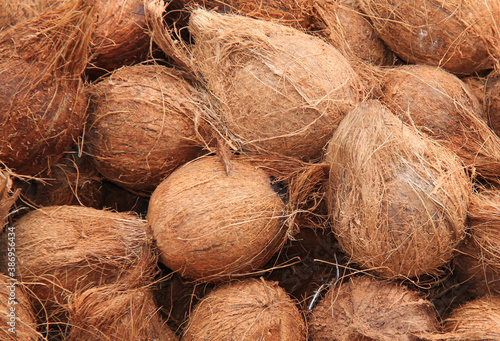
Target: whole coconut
[397, 200]
[279, 90]
[210, 224]
[365, 308]
[439, 104]
[141, 125]
[42, 107]
[252, 309]
[460, 36]
[62, 249]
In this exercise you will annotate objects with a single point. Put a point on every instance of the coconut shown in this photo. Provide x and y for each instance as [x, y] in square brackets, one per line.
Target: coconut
[111, 313]
[41, 100]
[474, 321]
[441, 105]
[62, 249]
[397, 200]
[462, 37]
[365, 308]
[492, 101]
[253, 309]
[210, 225]
[16, 315]
[279, 90]
[141, 125]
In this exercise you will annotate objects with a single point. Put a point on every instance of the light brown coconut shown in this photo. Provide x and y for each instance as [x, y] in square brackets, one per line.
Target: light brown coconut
[41, 100]
[439, 104]
[253, 309]
[477, 320]
[279, 90]
[210, 225]
[492, 101]
[460, 36]
[364, 308]
[397, 200]
[111, 313]
[17, 322]
[142, 125]
[62, 249]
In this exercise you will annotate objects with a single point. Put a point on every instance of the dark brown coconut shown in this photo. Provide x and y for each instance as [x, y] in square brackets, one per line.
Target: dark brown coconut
[141, 125]
[279, 90]
[397, 200]
[252, 309]
[492, 101]
[111, 313]
[62, 249]
[477, 320]
[441, 105]
[460, 36]
[42, 105]
[210, 225]
[364, 308]
[17, 321]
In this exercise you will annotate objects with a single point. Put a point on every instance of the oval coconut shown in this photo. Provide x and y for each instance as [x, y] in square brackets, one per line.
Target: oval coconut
[141, 125]
[62, 249]
[460, 36]
[364, 308]
[109, 312]
[280, 91]
[211, 225]
[397, 200]
[253, 309]
[41, 100]
[477, 320]
[17, 321]
[492, 101]
[439, 104]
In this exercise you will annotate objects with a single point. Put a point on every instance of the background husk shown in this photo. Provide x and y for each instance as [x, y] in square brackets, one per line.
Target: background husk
[251, 309]
[492, 101]
[397, 200]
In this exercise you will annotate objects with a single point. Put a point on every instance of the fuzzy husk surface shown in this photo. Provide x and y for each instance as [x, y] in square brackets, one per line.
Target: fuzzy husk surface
[41, 100]
[111, 313]
[397, 200]
[278, 90]
[62, 249]
[251, 309]
[492, 101]
[211, 222]
[15, 11]
[460, 36]
[439, 104]
[142, 125]
[8, 197]
[366, 308]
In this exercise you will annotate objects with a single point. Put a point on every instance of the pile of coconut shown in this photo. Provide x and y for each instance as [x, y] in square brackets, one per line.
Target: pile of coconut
[249, 170]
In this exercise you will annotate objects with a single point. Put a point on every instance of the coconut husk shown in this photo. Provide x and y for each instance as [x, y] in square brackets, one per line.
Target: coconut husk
[43, 108]
[397, 199]
[440, 105]
[210, 225]
[8, 197]
[16, 315]
[492, 101]
[279, 91]
[477, 86]
[253, 309]
[365, 308]
[111, 313]
[15, 11]
[142, 125]
[62, 249]
[461, 37]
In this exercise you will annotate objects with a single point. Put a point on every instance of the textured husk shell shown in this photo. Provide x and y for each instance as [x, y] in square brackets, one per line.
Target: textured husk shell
[62, 249]
[477, 86]
[15, 11]
[42, 105]
[439, 104]
[492, 101]
[16, 313]
[110, 313]
[460, 36]
[252, 309]
[210, 225]
[8, 197]
[141, 125]
[397, 200]
[280, 91]
[365, 308]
